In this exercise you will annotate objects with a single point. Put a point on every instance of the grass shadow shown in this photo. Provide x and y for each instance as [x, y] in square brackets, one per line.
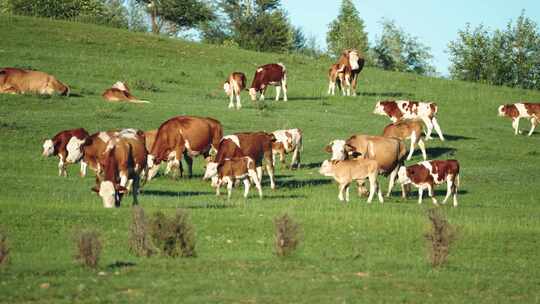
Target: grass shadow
[450, 137]
[212, 206]
[436, 152]
[293, 184]
[307, 98]
[280, 196]
[385, 94]
[175, 193]
[120, 264]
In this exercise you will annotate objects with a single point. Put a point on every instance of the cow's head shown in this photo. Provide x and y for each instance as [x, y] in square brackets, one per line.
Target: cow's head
[327, 168]
[48, 147]
[211, 172]
[75, 149]
[110, 193]
[403, 177]
[379, 108]
[337, 148]
[253, 94]
[353, 59]
[508, 110]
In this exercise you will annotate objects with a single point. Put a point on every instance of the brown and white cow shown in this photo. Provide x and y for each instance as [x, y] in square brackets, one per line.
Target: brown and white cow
[270, 74]
[287, 141]
[257, 145]
[235, 83]
[186, 136]
[340, 76]
[406, 109]
[121, 166]
[120, 92]
[427, 174]
[353, 61]
[407, 129]
[388, 152]
[20, 81]
[57, 146]
[233, 169]
[520, 110]
[345, 172]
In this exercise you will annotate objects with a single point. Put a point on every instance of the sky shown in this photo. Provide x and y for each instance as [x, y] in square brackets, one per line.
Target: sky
[434, 22]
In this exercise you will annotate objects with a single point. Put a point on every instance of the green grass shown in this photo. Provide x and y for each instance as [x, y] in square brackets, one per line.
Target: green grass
[495, 259]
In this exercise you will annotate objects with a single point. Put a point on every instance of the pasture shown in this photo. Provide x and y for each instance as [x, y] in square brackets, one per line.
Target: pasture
[495, 258]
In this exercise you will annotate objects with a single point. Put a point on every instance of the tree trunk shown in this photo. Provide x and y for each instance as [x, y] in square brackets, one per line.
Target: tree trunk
[153, 17]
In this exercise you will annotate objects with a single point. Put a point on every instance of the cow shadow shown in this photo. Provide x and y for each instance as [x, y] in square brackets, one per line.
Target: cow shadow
[385, 94]
[436, 152]
[437, 193]
[311, 165]
[120, 265]
[306, 98]
[175, 193]
[450, 137]
[294, 184]
[282, 196]
[212, 206]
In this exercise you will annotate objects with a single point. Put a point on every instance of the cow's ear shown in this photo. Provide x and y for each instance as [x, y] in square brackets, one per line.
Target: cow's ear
[121, 189]
[273, 137]
[349, 148]
[328, 149]
[95, 189]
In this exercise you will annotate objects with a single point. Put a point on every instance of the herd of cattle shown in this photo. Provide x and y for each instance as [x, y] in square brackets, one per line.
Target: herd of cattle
[122, 159]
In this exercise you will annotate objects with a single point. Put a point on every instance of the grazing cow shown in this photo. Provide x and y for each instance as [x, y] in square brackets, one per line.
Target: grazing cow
[405, 109]
[520, 110]
[340, 75]
[353, 61]
[19, 81]
[121, 165]
[257, 145]
[388, 152]
[120, 92]
[233, 86]
[57, 146]
[426, 174]
[287, 141]
[270, 74]
[186, 136]
[345, 172]
[150, 138]
[231, 170]
[407, 129]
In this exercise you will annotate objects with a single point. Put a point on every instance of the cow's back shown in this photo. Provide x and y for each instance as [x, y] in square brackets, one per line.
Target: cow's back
[388, 152]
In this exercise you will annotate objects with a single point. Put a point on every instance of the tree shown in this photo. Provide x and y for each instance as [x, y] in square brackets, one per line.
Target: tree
[136, 16]
[470, 54]
[346, 31]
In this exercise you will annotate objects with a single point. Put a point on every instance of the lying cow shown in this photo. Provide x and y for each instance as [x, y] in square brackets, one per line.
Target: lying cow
[345, 172]
[19, 81]
[120, 92]
[520, 110]
[340, 76]
[256, 145]
[427, 174]
[287, 141]
[270, 74]
[235, 83]
[404, 109]
[186, 136]
[58, 146]
[121, 166]
[407, 129]
[351, 60]
[231, 170]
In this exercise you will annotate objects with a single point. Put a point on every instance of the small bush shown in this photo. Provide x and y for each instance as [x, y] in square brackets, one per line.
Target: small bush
[440, 236]
[174, 236]
[146, 85]
[88, 248]
[139, 239]
[4, 248]
[287, 235]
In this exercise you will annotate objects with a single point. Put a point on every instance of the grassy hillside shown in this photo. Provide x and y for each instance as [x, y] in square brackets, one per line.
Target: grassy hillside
[495, 258]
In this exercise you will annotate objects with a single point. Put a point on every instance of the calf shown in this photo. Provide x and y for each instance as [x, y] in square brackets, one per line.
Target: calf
[345, 172]
[520, 110]
[19, 81]
[351, 60]
[429, 173]
[405, 109]
[231, 170]
[120, 92]
[407, 129]
[340, 75]
[287, 141]
[233, 86]
[271, 74]
[58, 146]
[121, 165]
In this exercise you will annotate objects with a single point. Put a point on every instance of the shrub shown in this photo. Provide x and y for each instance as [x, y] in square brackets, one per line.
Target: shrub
[146, 85]
[287, 235]
[88, 248]
[440, 236]
[4, 248]
[174, 236]
[139, 240]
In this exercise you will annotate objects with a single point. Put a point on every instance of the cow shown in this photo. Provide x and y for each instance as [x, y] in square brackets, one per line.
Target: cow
[287, 141]
[186, 136]
[20, 81]
[388, 152]
[342, 77]
[520, 110]
[257, 145]
[345, 172]
[235, 83]
[231, 170]
[270, 74]
[407, 129]
[427, 174]
[353, 61]
[120, 92]
[406, 109]
[121, 165]
[57, 146]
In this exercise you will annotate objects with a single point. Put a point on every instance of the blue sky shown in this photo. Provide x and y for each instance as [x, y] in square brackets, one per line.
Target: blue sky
[434, 22]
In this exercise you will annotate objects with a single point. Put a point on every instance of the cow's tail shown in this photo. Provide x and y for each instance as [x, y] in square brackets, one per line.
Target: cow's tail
[139, 101]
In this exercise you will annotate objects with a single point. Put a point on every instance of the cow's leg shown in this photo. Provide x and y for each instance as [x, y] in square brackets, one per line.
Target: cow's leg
[135, 191]
[284, 87]
[61, 166]
[455, 189]
[152, 172]
[238, 102]
[295, 158]
[515, 125]
[231, 99]
[259, 173]
[449, 187]
[282, 158]
[533, 125]
[247, 184]
[391, 180]
[422, 148]
[189, 162]
[278, 92]
[270, 170]
[256, 181]
[341, 190]
[430, 192]
[83, 169]
[263, 91]
[347, 188]
[331, 87]
[353, 84]
[218, 187]
[420, 193]
[429, 127]
[379, 191]
[372, 187]
[413, 141]
[437, 128]
[403, 191]
[230, 184]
